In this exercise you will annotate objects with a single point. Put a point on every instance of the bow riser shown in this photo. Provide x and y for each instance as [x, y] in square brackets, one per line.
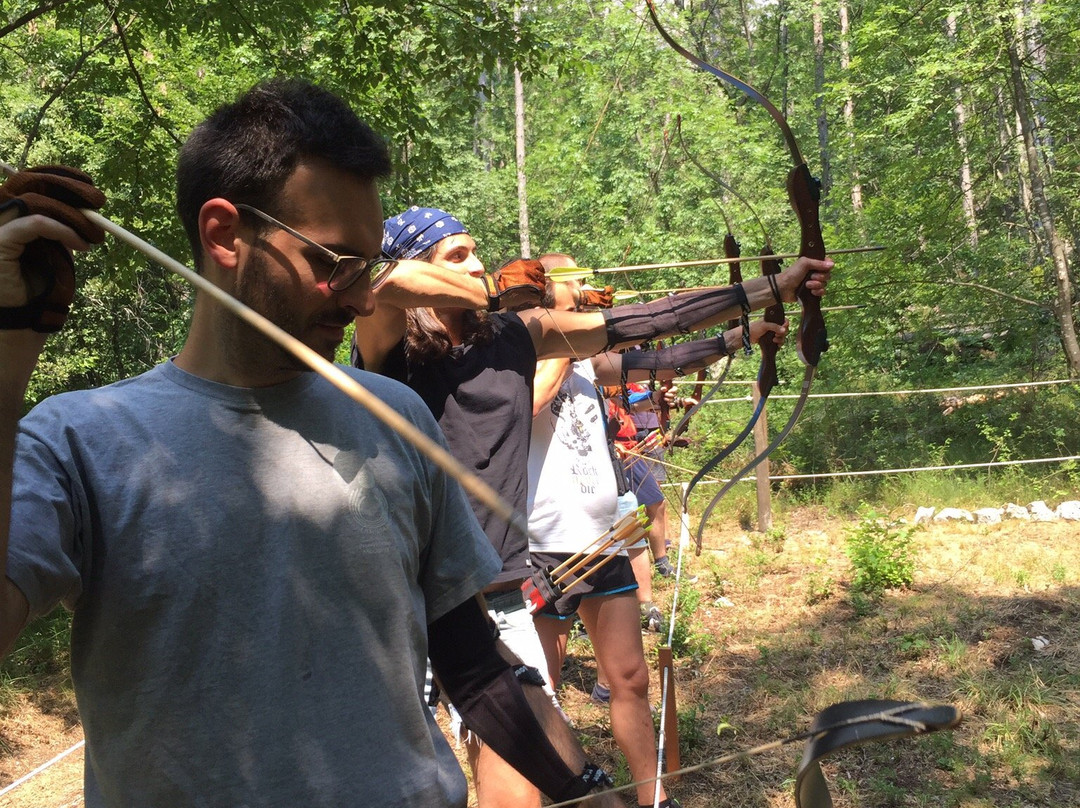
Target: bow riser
[767, 377]
[804, 191]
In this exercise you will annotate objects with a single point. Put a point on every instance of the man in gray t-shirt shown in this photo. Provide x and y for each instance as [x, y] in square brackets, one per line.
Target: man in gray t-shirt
[257, 567]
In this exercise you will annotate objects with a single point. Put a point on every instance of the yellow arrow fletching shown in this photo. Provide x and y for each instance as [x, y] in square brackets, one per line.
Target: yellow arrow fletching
[569, 273]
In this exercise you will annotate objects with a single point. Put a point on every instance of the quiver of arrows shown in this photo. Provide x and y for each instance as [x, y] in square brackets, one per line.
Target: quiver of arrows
[545, 586]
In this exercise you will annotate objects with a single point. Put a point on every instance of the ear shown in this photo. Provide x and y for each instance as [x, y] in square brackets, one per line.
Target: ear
[219, 221]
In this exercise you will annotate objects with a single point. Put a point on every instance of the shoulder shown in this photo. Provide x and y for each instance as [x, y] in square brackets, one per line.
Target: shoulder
[508, 323]
[510, 330]
[399, 396]
[87, 405]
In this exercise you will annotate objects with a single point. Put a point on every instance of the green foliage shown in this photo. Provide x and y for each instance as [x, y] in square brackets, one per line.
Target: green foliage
[881, 556]
[40, 657]
[690, 639]
[819, 587]
[691, 734]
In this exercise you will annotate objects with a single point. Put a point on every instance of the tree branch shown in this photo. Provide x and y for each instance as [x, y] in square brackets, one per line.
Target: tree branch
[947, 282]
[36, 127]
[139, 82]
[33, 14]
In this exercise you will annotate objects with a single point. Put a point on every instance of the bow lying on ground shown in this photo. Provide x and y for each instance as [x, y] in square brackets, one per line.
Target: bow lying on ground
[839, 726]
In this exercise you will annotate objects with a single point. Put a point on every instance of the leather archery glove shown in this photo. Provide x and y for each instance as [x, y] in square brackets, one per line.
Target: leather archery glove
[47, 267]
[518, 284]
[600, 298]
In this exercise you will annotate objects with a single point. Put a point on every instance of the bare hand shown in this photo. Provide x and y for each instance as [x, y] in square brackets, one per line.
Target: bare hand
[760, 328]
[814, 272]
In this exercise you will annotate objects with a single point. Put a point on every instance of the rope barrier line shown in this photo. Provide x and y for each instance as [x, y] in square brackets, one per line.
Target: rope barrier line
[868, 394]
[870, 472]
[41, 768]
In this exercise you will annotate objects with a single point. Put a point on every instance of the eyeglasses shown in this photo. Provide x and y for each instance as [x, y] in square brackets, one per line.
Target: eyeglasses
[348, 269]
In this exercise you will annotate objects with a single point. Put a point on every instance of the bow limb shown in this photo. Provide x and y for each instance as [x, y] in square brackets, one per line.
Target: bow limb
[738, 83]
[804, 193]
[767, 376]
[732, 251]
[811, 336]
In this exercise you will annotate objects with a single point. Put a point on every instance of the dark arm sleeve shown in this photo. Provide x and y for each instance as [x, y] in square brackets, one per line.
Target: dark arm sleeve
[686, 357]
[485, 690]
[675, 314]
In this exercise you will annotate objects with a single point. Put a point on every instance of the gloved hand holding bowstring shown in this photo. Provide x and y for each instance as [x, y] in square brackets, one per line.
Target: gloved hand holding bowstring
[37, 272]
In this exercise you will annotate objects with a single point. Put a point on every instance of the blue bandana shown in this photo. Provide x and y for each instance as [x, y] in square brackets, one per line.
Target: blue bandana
[410, 233]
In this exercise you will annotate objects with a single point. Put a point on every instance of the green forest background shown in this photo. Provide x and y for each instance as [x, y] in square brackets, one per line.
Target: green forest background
[944, 131]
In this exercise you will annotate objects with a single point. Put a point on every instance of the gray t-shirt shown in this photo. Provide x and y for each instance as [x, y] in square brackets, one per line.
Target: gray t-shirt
[251, 574]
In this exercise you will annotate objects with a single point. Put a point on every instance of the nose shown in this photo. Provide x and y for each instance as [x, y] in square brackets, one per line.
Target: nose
[474, 266]
[359, 298]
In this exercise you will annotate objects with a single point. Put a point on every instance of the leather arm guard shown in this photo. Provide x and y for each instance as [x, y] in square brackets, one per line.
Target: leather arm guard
[675, 314]
[686, 357]
[600, 298]
[488, 694]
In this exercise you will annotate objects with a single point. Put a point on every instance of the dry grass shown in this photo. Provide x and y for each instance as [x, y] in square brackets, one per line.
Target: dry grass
[791, 644]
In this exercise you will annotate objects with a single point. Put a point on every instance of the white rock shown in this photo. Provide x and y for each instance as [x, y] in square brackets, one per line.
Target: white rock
[1041, 512]
[1069, 510]
[954, 515]
[989, 516]
[924, 514]
[1014, 511]
[1040, 643]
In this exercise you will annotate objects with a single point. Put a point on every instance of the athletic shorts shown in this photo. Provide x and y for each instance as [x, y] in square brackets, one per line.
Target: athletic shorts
[613, 578]
[642, 482]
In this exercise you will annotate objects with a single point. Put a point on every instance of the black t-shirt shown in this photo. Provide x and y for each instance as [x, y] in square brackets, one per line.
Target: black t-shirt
[481, 395]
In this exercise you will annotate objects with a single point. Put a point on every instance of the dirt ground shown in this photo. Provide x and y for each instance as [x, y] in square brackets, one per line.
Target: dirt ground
[779, 641]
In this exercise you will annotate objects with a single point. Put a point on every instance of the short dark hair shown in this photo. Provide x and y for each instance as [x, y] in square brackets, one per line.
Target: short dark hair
[245, 151]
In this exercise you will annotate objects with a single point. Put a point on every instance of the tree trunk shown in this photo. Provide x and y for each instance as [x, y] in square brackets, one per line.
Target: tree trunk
[849, 112]
[819, 100]
[519, 153]
[1053, 243]
[519, 139]
[960, 127]
[782, 48]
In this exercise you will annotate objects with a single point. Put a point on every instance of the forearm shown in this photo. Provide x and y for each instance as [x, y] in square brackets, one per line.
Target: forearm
[666, 363]
[417, 284]
[548, 379]
[684, 312]
[19, 350]
[498, 702]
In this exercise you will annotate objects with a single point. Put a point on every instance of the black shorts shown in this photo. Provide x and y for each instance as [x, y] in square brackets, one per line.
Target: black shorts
[614, 578]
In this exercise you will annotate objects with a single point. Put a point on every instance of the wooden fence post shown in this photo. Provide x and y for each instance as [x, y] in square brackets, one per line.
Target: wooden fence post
[761, 474]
